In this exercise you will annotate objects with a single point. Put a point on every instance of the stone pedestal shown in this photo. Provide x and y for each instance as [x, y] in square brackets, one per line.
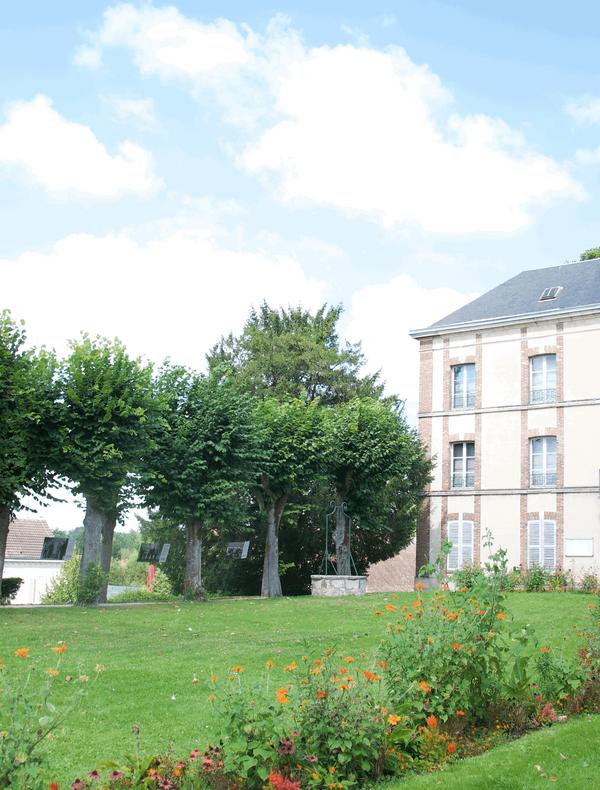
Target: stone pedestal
[331, 586]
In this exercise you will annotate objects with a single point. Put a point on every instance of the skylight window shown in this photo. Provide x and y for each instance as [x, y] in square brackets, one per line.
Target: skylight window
[550, 293]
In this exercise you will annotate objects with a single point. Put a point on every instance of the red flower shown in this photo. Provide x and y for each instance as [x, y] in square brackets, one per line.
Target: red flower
[53, 785]
[451, 747]
[280, 782]
[431, 722]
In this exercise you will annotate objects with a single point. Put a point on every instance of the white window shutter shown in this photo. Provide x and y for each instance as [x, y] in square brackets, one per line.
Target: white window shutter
[453, 537]
[549, 552]
[466, 554]
[533, 543]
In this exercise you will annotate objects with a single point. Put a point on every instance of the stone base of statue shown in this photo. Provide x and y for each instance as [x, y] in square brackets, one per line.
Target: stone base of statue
[333, 585]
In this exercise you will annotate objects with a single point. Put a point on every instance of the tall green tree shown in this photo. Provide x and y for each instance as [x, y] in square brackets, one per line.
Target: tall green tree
[109, 409]
[28, 423]
[294, 354]
[205, 455]
[376, 466]
[294, 443]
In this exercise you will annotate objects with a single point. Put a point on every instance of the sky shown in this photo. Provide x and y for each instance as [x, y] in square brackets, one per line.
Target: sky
[165, 167]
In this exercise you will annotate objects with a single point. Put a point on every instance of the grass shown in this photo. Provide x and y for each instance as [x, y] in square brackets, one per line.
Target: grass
[152, 652]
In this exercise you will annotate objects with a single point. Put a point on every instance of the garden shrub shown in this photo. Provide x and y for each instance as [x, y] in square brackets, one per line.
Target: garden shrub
[91, 586]
[589, 583]
[64, 587]
[142, 596]
[162, 584]
[535, 579]
[9, 587]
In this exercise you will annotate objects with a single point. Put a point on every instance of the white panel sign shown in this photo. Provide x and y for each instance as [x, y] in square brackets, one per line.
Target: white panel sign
[579, 547]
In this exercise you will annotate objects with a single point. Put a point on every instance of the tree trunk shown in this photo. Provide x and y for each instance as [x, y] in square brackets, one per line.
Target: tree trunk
[192, 584]
[108, 533]
[4, 522]
[341, 538]
[271, 583]
[93, 527]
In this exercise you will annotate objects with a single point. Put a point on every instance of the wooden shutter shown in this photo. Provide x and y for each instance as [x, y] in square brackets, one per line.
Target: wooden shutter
[466, 554]
[549, 547]
[453, 537]
[533, 543]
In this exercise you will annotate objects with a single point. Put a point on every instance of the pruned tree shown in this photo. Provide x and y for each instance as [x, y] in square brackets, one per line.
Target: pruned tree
[295, 354]
[294, 443]
[109, 409]
[376, 465]
[206, 453]
[28, 423]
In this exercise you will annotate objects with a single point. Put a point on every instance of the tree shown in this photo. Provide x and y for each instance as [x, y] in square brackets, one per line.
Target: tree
[108, 412]
[287, 354]
[205, 455]
[376, 465]
[588, 255]
[28, 423]
[294, 443]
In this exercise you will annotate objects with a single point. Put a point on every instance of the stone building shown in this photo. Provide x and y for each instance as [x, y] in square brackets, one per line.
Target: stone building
[510, 409]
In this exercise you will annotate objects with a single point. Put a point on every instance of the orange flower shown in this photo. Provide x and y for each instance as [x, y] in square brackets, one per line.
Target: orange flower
[317, 662]
[408, 616]
[424, 687]
[291, 667]
[545, 650]
[393, 719]
[370, 676]
[390, 607]
[382, 664]
[59, 648]
[419, 586]
[431, 722]
[314, 671]
[211, 698]
[213, 678]
[22, 652]
[501, 616]
[52, 672]
[451, 747]
[269, 664]
[452, 616]
[53, 785]
[344, 686]
[417, 603]
[343, 671]
[460, 712]
[321, 695]
[237, 669]
[377, 612]
[282, 696]
[348, 659]
[480, 612]
[456, 646]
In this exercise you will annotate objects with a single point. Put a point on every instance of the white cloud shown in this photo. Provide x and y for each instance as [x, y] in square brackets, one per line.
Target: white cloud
[585, 110]
[126, 110]
[88, 57]
[173, 295]
[67, 158]
[363, 130]
[381, 316]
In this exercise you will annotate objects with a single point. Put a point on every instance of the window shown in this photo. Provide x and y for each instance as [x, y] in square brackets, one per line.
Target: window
[542, 378]
[460, 535]
[541, 543]
[550, 293]
[463, 465]
[542, 461]
[463, 386]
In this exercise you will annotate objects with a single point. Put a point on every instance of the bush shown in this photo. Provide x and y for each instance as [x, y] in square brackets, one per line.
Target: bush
[535, 579]
[9, 588]
[142, 596]
[589, 583]
[63, 588]
[91, 586]
[162, 584]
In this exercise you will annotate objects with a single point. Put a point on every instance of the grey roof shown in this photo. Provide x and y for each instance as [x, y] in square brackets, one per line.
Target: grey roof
[520, 296]
[26, 538]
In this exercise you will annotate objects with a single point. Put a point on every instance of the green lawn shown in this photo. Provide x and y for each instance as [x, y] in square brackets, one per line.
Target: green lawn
[152, 652]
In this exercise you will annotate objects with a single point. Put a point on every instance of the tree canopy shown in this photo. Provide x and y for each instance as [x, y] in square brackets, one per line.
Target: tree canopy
[587, 255]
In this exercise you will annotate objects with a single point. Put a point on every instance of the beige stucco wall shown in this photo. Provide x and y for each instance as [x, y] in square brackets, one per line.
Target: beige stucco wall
[582, 445]
[582, 520]
[541, 419]
[501, 369]
[500, 514]
[582, 372]
[500, 450]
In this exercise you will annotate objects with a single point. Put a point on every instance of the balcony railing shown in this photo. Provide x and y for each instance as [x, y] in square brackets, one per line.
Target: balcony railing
[463, 481]
[542, 479]
[543, 396]
[466, 401]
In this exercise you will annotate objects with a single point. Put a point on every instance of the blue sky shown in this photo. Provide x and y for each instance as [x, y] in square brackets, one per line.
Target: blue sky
[164, 167]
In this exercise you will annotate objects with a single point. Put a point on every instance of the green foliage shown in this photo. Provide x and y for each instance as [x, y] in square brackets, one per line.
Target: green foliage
[535, 579]
[143, 596]
[589, 583]
[109, 410]
[593, 252]
[28, 416]
[8, 589]
[63, 587]
[292, 354]
[90, 586]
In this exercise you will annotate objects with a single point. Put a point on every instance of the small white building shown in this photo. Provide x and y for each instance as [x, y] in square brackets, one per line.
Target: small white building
[23, 552]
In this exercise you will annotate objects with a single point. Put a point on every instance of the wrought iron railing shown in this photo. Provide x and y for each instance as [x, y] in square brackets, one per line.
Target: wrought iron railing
[543, 395]
[466, 401]
[542, 479]
[463, 481]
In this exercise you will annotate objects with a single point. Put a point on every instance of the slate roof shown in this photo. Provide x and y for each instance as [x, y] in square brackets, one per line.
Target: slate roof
[520, 296]
[26, 538]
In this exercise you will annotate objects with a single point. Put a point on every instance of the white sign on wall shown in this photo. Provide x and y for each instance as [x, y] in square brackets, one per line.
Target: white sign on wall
[579, 547]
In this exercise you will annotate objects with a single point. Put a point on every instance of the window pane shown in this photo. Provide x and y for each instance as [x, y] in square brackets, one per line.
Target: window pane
[537, 364]
[470, 449]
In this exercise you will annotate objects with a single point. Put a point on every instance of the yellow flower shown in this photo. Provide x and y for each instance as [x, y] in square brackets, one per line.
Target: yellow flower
[393, 719]
[291, 667]
[211, 698]
[213, 678]
[269, 664]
